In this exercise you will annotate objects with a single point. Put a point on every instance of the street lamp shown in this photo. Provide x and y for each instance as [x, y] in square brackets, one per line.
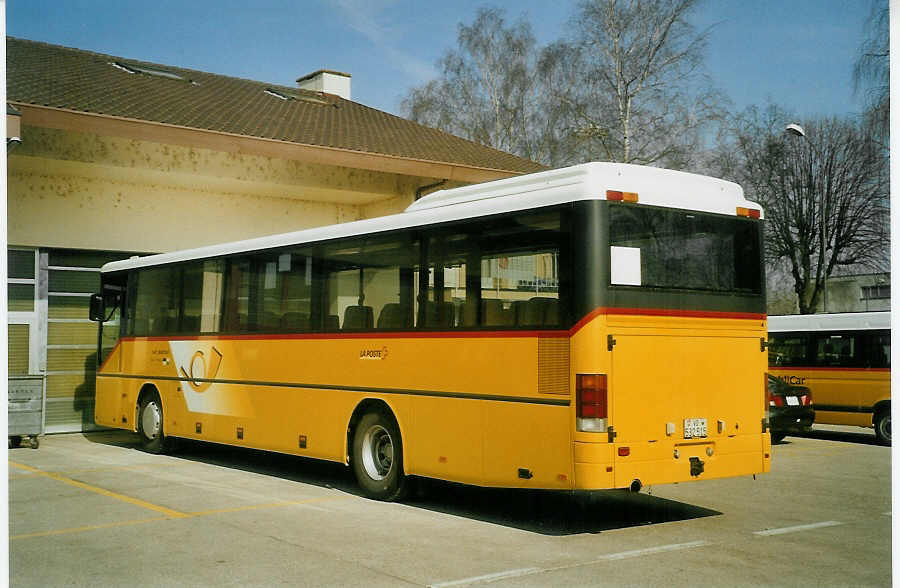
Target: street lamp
[797, 131]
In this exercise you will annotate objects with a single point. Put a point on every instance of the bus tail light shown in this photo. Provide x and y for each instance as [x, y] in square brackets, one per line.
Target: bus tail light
[591, 402]
[748, 212]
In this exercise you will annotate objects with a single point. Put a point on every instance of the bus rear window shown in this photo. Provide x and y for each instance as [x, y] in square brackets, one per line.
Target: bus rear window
[676, 249]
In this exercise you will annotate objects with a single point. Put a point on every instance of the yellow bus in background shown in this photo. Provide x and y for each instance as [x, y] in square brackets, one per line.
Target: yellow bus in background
[845, 361]
[593, 327]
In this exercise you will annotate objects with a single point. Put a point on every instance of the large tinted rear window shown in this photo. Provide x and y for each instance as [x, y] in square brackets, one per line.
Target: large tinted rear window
[680, 250]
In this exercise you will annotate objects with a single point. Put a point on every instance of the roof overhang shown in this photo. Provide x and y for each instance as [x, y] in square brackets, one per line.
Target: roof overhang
[70, 120]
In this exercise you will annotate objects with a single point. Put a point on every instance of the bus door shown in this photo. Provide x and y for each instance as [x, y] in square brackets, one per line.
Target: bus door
[683, 392]
[106, 309]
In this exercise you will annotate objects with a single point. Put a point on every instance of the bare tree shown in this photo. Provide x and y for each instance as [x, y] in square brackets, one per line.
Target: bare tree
[626, 87]
[643, 97]
[489, 90]
[872, 71]
[825, 195]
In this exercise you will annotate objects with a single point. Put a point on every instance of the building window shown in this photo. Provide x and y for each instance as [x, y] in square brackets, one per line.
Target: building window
[876, 292]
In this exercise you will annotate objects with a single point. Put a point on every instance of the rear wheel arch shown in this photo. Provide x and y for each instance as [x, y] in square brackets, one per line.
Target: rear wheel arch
[149, 409]
[376, 453]
[882, 405]
[881, 421]
[364, 407]
[146, 390]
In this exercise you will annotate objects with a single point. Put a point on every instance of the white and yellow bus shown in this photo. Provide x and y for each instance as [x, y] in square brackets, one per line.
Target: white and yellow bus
[845, 361]
[594, 327]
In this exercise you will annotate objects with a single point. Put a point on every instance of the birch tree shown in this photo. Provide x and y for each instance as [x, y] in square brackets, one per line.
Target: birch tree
[871, 73]
[488, 90]
[644, 97]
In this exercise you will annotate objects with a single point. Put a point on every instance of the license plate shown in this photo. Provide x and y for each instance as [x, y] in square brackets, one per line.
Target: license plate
[694, 428]
[792, 400]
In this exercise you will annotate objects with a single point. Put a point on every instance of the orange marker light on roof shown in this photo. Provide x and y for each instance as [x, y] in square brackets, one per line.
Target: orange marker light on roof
[748, 212]
[618, 196]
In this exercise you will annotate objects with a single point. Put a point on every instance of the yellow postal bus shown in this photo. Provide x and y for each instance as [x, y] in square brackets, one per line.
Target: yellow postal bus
[845, 361]
[598, 326]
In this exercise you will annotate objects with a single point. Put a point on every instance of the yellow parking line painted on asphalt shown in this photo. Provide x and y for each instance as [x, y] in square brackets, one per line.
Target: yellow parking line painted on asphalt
[169, 513]
[136, 501]
[91, 470]
[86, 528]
[184, 515]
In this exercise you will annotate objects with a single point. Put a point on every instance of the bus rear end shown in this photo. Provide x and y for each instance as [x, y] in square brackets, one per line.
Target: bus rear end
[670, 357]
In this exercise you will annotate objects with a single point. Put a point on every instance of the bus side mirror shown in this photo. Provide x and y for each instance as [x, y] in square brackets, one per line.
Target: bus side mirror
[97, 312]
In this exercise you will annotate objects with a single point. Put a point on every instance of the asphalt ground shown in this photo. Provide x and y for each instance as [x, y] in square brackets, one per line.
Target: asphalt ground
[94, 510]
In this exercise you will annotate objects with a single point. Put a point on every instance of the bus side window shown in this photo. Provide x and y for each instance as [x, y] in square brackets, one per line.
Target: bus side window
[368, 282]
[268, 292]
[877, 349]
[499, 273]
[836, 350]
[788, 350]
[203, 296]
[157, 291]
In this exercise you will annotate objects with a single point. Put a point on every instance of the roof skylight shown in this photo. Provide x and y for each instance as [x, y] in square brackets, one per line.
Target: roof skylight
[137, 69]
[287, 97]
[279, 95]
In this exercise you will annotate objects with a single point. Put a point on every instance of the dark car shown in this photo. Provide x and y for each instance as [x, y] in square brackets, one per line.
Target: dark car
[790, 409]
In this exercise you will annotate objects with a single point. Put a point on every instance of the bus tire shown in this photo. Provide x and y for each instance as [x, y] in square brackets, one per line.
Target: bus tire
[377, 457]
[150, 424]
[882, 423]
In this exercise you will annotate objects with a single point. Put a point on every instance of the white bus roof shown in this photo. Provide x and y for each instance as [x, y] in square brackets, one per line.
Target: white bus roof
[845, 321]
[588, 181]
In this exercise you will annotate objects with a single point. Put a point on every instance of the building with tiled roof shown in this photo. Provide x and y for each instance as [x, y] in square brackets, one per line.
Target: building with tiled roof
[114, 156]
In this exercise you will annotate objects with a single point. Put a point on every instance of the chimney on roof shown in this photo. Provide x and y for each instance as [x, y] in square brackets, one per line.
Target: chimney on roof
[327, 81]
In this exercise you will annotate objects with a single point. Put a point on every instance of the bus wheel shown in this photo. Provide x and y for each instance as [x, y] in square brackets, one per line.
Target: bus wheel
[150, 424]
[377, 457]
[883, 426]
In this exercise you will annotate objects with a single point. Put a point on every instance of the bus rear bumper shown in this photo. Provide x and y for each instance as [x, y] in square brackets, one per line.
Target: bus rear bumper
[617, 465]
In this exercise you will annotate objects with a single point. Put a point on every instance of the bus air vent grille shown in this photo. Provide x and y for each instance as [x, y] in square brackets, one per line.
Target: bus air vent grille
[553, 365]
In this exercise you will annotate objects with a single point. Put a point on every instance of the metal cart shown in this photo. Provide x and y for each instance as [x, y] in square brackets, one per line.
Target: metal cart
[25, 409]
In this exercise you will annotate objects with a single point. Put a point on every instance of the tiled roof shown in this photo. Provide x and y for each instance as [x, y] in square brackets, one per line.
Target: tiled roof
[59, 77]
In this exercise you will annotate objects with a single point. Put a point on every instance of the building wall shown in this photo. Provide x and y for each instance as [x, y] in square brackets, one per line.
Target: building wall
[82, 190]
[849, 294]
[79, 199]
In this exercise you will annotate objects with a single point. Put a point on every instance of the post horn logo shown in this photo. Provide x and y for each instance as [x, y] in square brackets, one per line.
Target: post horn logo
[201, 370]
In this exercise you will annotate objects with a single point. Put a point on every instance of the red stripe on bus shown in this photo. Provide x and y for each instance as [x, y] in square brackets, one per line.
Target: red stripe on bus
[666, 313]
[687, 313]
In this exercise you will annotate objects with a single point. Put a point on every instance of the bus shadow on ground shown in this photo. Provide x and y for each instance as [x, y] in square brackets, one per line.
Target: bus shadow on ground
[553, 512]
[323, 474]
[538, 511]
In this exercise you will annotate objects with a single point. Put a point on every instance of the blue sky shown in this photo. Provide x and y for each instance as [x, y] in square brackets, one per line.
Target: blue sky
[798, 53]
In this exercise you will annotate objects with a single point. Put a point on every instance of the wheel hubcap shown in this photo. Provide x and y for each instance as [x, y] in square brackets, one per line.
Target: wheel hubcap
[151, 419]
[377, 452]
